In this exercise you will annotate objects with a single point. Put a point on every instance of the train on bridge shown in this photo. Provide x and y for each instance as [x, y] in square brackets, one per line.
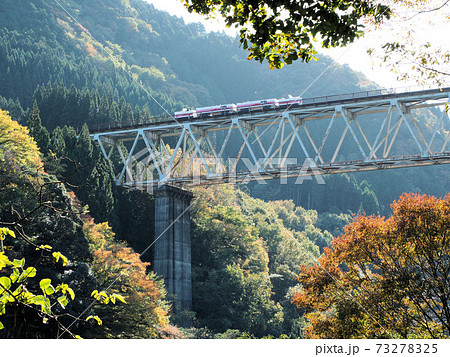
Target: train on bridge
[265, 106]
[239, 108]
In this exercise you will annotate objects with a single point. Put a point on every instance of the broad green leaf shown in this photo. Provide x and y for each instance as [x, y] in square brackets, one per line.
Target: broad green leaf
[4, 232]
[19, 263]
[31, 272]
[38, 300]
[44, 283]
[118, 297]
[5, 284]
[49, 290]
[64, 288]
[15, 275]
[96, 318]
[4, 261]
[57, 256]
[43, 302]
[2, 309]
[63, 301]
[1, 326]
[46, 286]
[28, 273]
[26, 296]
[71, 293]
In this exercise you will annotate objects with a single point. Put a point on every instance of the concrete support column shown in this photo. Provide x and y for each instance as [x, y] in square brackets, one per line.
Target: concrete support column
[172, 248]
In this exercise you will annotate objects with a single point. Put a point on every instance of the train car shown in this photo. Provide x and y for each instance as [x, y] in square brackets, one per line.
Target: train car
[244, 107]
[290, 102]
[223, 109]
[185, 114]
[262, 104]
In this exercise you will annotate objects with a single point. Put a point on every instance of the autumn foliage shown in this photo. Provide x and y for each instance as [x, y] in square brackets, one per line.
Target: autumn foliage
[118, 269]
[17, 145]
[384, 278]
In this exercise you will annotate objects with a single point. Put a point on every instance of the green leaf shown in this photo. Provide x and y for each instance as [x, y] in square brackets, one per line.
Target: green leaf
[19, 263]
[46, 286]
[43, 302]
[4, 261]
[38, 300]
[5, 284]
[31, 272]
[63, 301]
[44, 283]
[101, 296]
[57, 256]
[47, 308]
[118, 297]
[44, 247]
[1, 326]
[71, 293]
[15, 275]
[64, 288]
[28, 273]
[96, 318]
[49, 290]
[4, 232]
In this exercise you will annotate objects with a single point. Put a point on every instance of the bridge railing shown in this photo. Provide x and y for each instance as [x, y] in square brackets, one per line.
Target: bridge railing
[369, 94]
[332, 99]
[123, 125]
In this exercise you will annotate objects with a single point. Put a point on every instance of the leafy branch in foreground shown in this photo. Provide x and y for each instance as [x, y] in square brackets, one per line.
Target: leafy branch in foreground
[414, 51]
[38, 205]
[284, 31]
[13, 286]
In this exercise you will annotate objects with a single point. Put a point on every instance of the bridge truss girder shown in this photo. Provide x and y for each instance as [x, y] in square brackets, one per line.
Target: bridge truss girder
[387, 131]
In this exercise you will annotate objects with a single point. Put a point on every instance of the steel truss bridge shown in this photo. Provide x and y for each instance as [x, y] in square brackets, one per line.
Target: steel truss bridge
[362, 131]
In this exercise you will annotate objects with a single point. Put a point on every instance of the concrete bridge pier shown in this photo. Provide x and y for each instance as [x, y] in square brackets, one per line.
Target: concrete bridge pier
[172, 247]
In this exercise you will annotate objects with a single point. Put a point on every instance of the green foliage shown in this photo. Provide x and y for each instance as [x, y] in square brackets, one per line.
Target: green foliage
[246, 256]
[283, 31]
[35, 210]
[250, 247]
[231, 286]
[37, 131]
[14, 287]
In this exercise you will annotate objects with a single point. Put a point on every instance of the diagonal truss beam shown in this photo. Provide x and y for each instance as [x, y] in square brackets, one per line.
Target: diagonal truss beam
[365, 133]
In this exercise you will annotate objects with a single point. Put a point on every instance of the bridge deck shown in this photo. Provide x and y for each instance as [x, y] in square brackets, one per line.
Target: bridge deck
[368, 97]
[325, 135]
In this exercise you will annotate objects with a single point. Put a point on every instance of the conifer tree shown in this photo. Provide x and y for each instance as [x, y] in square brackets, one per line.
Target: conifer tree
[37, 131]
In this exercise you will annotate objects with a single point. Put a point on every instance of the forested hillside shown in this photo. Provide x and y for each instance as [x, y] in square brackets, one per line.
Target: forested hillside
[125, 61]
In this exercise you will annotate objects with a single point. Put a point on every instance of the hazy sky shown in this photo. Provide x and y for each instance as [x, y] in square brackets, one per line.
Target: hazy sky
[355, 55]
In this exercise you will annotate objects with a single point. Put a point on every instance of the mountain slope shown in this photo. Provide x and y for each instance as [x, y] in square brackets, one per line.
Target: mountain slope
[115, 45]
